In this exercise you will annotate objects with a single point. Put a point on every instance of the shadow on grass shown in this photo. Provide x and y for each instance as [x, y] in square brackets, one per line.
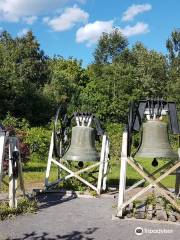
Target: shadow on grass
[75, 235]
[115, 182]
[34, 169]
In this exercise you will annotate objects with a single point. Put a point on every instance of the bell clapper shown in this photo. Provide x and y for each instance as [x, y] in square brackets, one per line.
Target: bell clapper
[80, 164]
[154, 162]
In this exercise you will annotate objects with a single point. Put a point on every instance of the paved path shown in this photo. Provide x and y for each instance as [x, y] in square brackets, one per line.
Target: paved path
[71, 218]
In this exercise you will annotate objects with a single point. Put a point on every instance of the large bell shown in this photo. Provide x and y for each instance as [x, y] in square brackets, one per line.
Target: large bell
[155, 142]
[82, 146]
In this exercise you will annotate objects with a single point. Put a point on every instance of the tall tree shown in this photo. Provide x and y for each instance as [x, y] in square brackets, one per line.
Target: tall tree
[173, 47]
[67, 79]
[23, 73]
[151, 72]
[109, 46]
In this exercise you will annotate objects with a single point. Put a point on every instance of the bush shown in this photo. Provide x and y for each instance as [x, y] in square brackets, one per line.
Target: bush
[114, 131]
[38, 139]
[16, 123]
[18, 127]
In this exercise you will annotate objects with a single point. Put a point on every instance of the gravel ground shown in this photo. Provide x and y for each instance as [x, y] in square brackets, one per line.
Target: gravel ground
[71, 218]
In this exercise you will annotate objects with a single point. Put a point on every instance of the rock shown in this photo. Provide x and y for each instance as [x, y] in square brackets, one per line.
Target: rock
[140, 211]
[129, 210]
[160, 213]
[171, 216]
[149, 212]
[177, 215]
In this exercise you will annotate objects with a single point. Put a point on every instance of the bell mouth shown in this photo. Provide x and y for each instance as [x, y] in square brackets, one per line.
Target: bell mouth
[154, 162]
[80, 164]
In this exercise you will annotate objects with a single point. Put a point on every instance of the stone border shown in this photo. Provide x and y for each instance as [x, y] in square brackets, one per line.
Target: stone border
[69, 193]
[116, 218]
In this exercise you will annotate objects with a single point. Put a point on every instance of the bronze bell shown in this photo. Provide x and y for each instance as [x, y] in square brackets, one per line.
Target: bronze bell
[155, 142]
[82, 146]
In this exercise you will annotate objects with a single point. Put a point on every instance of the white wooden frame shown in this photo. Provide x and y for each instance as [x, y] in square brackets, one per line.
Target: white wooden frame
[146, 176]
[3, 139]
[13, 145]
[103, 167]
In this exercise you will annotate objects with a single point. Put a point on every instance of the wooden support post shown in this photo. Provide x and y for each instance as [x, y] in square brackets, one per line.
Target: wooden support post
[12, 177]
[2, 147]
[49, 160]
[177, 184]
[101, 166]
[60, 153]
[105, 165]
[122, 184]
[20, 172]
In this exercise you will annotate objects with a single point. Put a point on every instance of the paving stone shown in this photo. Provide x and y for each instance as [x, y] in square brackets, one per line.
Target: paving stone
[160, 213]
[129, 210]
[140, 211]
[177, 215]
[149, 212]
[171, 216]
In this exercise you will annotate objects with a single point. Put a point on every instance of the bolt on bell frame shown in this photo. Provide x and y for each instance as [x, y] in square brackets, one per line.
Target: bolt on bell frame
[153, 111]
[81, 149]
[11, 143]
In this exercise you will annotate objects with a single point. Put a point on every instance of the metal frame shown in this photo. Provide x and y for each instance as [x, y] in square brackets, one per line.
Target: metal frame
[153, 182]
[13, 147]
[102, 164]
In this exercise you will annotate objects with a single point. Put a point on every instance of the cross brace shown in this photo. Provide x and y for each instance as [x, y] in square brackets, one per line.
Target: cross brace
[102, 175]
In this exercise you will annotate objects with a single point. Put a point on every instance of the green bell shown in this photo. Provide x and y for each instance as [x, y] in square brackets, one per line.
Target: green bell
[82, 146]
[155, 142]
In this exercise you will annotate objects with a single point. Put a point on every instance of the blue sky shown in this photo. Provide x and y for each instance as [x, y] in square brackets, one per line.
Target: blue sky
[72, 27]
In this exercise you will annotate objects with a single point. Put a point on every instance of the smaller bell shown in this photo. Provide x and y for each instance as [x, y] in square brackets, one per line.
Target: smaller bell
[82, 146]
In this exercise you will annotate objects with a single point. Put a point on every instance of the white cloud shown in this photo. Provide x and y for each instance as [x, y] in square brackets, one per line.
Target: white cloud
[67, 19]
[22, 32]
[14, 10]
[138, 28]
[91, 32]
[46, 19]
[30, 20]
[134, 10]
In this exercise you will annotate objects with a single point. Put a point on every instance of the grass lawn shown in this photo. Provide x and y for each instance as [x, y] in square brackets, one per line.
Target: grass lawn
[133, 176]
[34, 175]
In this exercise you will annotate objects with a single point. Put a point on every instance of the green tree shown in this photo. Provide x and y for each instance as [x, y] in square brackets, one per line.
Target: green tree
[67, 79]
[151, 72]
[173, 47]
[108, 95]
[109, 46]
[23, 73]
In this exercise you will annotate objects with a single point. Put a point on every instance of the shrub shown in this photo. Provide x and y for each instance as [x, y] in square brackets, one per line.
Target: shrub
[38, 139]
[17, 127]
[16, 123]
[114, 131]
